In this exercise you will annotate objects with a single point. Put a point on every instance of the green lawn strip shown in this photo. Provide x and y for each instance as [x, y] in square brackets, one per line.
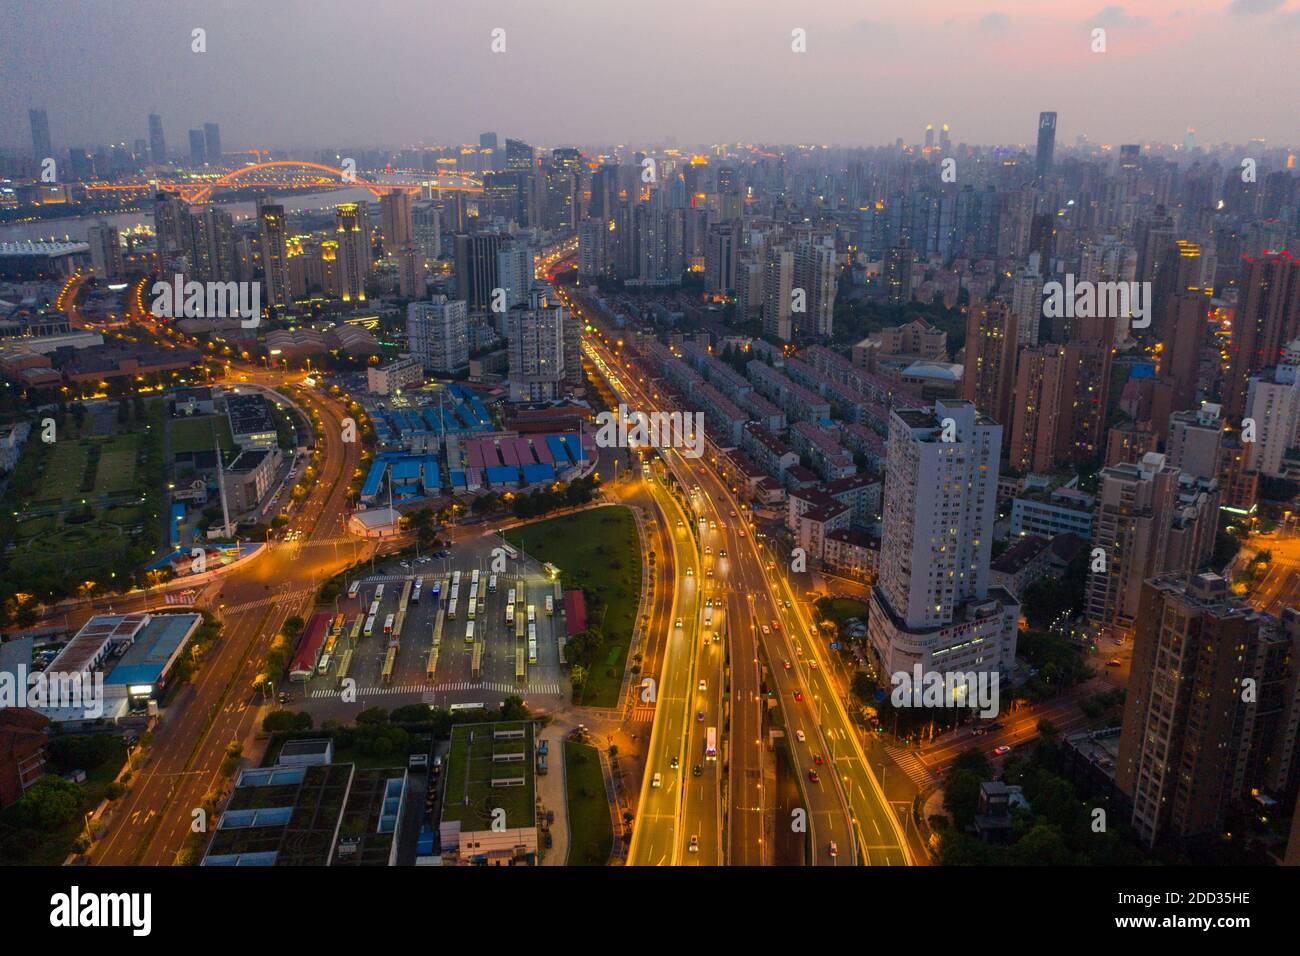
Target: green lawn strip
[591, 834]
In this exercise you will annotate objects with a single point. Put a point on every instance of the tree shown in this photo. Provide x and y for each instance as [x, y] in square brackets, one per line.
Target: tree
[50, 803]
[961, 794]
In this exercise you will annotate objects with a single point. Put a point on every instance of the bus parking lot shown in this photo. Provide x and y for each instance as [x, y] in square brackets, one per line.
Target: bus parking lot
[446, 631]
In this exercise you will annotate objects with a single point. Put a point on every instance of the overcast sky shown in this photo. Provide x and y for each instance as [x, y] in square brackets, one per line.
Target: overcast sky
[293, 73]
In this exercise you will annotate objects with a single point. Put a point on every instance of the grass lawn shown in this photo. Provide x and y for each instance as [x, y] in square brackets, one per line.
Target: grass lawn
[64, 470]
[195, 434]
[599, 550]
[840, 610]
[116, 470]
[591, 833]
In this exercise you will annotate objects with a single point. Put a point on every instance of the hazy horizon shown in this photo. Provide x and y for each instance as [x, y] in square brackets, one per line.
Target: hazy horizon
[300, 74]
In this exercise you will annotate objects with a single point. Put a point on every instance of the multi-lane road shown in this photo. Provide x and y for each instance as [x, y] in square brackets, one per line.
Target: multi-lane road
[848, 817]
[151, 823]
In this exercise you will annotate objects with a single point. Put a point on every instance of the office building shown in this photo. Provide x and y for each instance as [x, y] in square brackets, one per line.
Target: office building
[352, 233]
[157, 145]
[275, 255]
[212, 142]
[40, 124]
[1046, 143]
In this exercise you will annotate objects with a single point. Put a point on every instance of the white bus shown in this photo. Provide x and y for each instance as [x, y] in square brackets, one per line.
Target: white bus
[374, 608]
[471, 610]
[473, 577]
[469, 633]
[711, 744]
[379, 591]
[550, 605]
[510, 596]
[532, 614]
[492, 584]
[370, 626]
[451, 608]
[532, 652]
[455, 579]
[510, 614]
[324, 666]
[353, 589]
[388, 624]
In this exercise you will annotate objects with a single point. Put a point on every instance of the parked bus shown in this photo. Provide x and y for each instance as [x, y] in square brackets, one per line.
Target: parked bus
[455, 579]
[521, 591]
[473, 577]
[492, 584]
[388, 624]
[471, 611]
[437, 628]
[510, 615]
[532, 652]
[345, 663]
[436, 590]
[456, 708]
[390, 659]
[469, 633]
[711, 744]
[370, 626]
[510, 596]
[353, 589]
[550, 605]
[379, 592]
[338, 623]
[415, 591]
[451, 610]
[532, 615]
[356, 628]
[476, 663]
[519, 626]
[519, 665]
[374, 607]
[324, 666]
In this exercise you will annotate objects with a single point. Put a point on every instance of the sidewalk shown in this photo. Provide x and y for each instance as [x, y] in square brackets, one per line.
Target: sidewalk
[552, 794]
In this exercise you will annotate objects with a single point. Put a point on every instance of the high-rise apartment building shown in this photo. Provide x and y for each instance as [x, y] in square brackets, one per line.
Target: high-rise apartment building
[105, 250]
[778, 286]
[1194, 742]
[535, 336]
[991, 342]
[1267, 318]
[437, 333]
[932, 604]
[352, 233]
[815, 274]
[198, 148]
[273, 236]
[212, 142]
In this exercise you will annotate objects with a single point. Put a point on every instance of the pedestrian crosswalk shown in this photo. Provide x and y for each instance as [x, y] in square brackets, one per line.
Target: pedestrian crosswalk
[279, 597]
[552, 689]
[911, 765]
[642, 714]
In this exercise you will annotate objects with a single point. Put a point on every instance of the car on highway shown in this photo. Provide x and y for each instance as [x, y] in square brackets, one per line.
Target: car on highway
[679, 623]
[787, 664]
[722, 553]
[703, 684]
[733, 514]
[776, 625]
[1113, 662]
[707, 549]
[812, 663]
[786, 602]
[979, 732]
[657, 780]
[742, 532]
[695, 844]
[672, 763]
[1001, 751]
[817, 759]
[812, 776]
[800, 736]
[699, 715]
[833, 850]
[697, 770]
[690, 572]
[766, 629]
[798, 695]
[708, 573]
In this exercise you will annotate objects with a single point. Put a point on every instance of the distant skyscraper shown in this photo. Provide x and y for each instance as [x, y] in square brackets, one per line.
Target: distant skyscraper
[487, 140]
[212, 142]
[932, 605]
[157, 145]
[1267, 318]
[275, 255]
[1046, 143]
[898, 275]
[396, 222]
[519, 156]
[40, 134]
[992, 338]
[169, 215]
[198, 148]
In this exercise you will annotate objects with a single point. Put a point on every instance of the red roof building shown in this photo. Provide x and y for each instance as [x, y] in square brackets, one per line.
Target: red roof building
[313, 639]
[23, 738]
[575, 612]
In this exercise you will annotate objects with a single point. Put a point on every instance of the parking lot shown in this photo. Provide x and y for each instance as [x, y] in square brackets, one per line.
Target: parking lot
[470, 667]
